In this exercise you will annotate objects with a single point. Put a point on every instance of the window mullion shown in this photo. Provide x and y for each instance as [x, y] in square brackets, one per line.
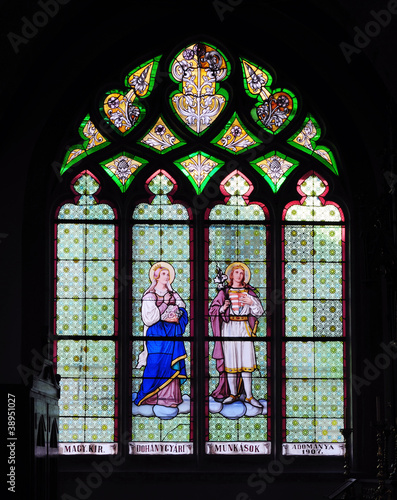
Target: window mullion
[124, 318]
[276, 312]
[199, 329]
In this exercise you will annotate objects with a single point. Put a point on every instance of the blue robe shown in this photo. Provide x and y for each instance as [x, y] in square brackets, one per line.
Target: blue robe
[166, 358]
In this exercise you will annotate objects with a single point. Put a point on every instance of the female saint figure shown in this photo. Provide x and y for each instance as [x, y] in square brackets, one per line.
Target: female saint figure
[165, 319]
[234, 313]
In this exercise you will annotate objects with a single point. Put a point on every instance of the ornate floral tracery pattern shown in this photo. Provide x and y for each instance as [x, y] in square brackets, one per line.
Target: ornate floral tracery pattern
[161, 138]
[123, 169]
[199, 67]
[306, 138]
[199, 168]
[119, 108]
[275, 167]
[93, 140]
[235, 138]
[274, 108]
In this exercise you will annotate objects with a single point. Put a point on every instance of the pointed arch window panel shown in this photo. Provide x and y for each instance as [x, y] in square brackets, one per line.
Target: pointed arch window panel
[238, 402]
[261, 376]
[85, 319]
[314, 359]
[161, 345]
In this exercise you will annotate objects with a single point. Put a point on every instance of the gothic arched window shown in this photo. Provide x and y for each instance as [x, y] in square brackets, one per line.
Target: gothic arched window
[200, 308]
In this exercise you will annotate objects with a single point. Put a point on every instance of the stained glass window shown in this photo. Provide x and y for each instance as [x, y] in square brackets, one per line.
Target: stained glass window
[199, 168]
[123, 168]
[162, 401]
[237, 347]
[314, 317]
[122, 109]
[275, 108]
[235, 137]
[305, 139]
[86, 319]
[94, 140]
[199, 68]
[193, 214]
[161, 138]
[275, 167]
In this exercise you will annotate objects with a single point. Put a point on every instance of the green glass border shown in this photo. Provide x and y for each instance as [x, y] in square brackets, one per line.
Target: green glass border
[199, 189]
[152, 78]
[269, 76]
[86, 152]
[123, 187]
[275, 187]
[294, 109]
[136, 102]
[180, 143]
[333, 167]
[222, 133]
[312, 141]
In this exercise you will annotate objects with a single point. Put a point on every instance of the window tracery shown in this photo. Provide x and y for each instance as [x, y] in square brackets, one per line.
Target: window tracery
[195, 243]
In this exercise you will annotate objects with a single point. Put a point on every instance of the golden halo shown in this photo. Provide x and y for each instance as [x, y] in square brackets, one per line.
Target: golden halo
[240, 264]
[164, 265]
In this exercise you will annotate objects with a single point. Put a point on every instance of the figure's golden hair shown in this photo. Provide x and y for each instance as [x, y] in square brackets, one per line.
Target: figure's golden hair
[236, 266]
[158, 268]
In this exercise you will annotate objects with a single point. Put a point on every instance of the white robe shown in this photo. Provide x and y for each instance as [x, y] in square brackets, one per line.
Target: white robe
[239, 356]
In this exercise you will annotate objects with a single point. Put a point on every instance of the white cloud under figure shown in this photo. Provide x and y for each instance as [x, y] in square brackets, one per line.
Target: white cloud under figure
[160, 411]
[231, 411]
[238, 409]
